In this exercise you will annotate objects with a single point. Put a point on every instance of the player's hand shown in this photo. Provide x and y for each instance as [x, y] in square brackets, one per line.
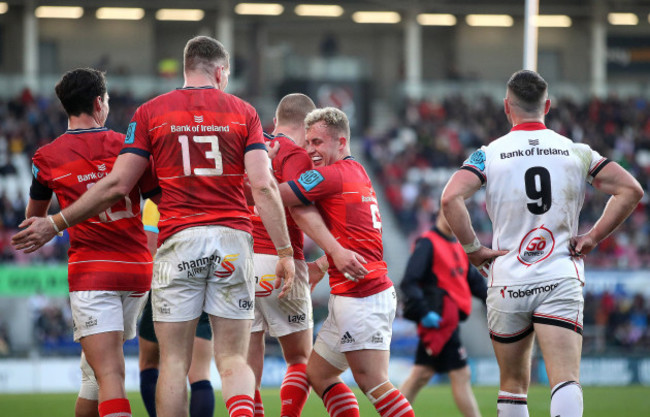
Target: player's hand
[482, 259]
[581, 245]
[316, 273]
[285, 271]
[432, 319]
[349, 263]
[272, 149]
[39, 231]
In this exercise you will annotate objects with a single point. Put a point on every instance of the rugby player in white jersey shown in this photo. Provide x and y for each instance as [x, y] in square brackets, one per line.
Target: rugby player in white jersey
[535, 182]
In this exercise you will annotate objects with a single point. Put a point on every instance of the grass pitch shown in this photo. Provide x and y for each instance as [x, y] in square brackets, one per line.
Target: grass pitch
[432, 401]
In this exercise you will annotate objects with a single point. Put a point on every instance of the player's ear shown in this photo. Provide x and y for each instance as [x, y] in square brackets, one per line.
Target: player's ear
[97, 103]
[506, 106]
[343, 141]
[547, 106]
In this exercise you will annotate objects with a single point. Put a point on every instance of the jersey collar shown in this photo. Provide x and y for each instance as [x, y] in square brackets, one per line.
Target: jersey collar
[203, 87]
[350, 157]
[529, 126]
[94, 129]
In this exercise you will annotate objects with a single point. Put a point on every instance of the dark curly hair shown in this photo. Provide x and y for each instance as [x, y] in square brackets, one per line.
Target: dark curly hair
[77, 90]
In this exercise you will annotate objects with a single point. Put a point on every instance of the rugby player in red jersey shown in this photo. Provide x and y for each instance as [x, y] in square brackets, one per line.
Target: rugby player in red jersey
[109, 268]
[358, 329]
[201, 140]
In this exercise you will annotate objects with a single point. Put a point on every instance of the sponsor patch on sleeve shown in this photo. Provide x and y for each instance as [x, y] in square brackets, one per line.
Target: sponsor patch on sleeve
[35, 171]
[130, 134]
[310, 179]
[477, 160]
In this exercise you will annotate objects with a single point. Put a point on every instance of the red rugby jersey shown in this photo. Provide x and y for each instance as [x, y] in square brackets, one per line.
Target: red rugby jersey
[288, 164]
[345, 198]
[108, 251]
[197, 137]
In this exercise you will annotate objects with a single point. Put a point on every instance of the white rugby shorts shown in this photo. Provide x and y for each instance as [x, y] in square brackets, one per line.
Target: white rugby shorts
[284, 316]
[204, 268]
[512, 309]
[96, 312]
[356, 324]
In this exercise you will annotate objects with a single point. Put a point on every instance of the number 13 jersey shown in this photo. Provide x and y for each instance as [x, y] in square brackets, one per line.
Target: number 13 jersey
[198, 138]
[535, 182]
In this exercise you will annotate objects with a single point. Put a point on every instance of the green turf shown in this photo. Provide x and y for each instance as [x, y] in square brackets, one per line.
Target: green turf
[432, 401]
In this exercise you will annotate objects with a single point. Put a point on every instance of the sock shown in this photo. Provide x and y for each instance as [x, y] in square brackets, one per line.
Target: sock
[240, 406]
[148, 380]
[393, 404]
[259, 407]
[117, 407]
[512, 405]
[294, 390]
[340, 401]
[566, 399]
[202, 399]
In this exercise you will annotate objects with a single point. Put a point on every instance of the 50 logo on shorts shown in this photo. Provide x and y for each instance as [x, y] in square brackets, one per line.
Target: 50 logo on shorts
[226, 268]
[265, 285]
[537, 245]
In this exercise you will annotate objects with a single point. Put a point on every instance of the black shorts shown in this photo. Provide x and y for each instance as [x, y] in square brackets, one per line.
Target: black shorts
[452, 356]
[146, 331]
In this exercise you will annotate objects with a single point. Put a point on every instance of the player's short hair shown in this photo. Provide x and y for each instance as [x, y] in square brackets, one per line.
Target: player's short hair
[334, 119]
[78, 89]
[204, 53]
[529, 89]
[293, 108]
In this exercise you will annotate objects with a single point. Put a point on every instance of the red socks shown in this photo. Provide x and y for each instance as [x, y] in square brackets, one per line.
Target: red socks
[340, 401]
[259, 407]
[240, 406]
[294, 391]
[393, 404]
[117, 407]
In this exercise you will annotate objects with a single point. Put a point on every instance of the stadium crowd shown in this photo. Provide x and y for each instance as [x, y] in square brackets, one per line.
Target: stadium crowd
[413, 160]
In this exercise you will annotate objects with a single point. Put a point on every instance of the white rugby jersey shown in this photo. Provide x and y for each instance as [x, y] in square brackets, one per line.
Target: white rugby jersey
[535, 183]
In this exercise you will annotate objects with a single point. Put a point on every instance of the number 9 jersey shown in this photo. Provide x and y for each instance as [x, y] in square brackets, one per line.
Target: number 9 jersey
[197, 138]
[535, 182]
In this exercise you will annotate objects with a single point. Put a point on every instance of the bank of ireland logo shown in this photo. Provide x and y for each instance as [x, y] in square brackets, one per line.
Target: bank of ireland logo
[198, 119]
[265, 285]
[226, 268]
[537, 245]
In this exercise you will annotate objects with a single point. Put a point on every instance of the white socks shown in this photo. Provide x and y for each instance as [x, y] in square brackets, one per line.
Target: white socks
[512, 405]
[566, 399]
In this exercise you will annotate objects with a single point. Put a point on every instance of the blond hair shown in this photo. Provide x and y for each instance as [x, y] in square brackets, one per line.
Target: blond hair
[333, 118]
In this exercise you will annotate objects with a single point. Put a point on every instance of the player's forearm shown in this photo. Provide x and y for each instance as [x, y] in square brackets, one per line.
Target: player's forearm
[98, 198]
[458, 218]
[269, 206]
[310, 221]
[618, 208]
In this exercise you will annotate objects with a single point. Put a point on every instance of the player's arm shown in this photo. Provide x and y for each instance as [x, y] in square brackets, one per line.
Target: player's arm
[477, 284]
[416, 275]
[267, 199]
[462, 185]
[40, 198]
[127, 170]
[625, 191]
[346, 261]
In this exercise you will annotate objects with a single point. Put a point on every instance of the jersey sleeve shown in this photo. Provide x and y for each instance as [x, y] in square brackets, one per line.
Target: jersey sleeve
[40, 189]
[317, 184]
[293, 164]
[476, 164]
[137, 135]
[598, 162]
[255, 138]
[150, 216]
[148, 183]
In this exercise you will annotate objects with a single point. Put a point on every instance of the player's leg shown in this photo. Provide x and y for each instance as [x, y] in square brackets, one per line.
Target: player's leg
[558, 325]
[421, 373]
[296, 348]
[148, 360]
[256, 362]
[325, 378]
[87, 400]
[202, 393]
[461, 387]
[175, 340]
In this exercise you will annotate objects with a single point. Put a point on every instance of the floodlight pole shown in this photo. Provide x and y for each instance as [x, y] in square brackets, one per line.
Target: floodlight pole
[530, 34]
[30, 46]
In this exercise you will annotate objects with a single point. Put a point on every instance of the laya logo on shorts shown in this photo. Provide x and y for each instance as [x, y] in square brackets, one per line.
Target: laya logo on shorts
[297, 318]
[528, 292]
[537, 245]
[246, 304]
[130, 134]
[265, 285]
[310, 179]
[226, 268]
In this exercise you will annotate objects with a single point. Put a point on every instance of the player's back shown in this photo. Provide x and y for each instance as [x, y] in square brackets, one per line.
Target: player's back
[198, 137]
[112, 243]
[535, 185]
